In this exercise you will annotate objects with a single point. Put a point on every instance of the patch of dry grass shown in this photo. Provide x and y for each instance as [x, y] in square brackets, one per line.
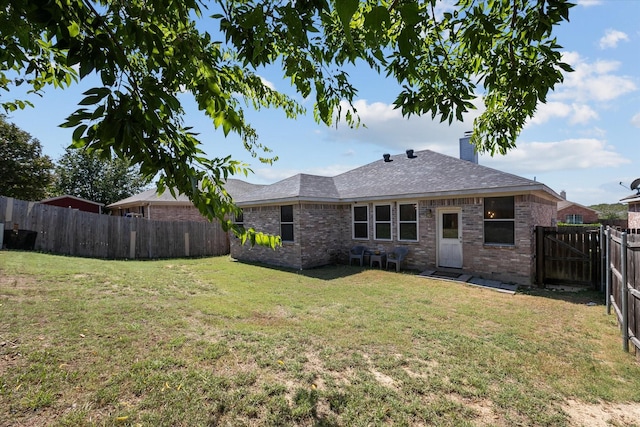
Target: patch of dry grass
[214, 342]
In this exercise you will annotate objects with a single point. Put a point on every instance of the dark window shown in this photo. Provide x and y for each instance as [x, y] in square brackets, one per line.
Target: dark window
[408, 222]
[361, 222]
[286, 223]
[383, 222]
[450, 228]
[239, 217]
[499, 220]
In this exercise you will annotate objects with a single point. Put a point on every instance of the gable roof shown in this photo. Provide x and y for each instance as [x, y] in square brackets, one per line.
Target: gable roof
[151, 196]
[564, 204]
[67, 196]
[429, 174]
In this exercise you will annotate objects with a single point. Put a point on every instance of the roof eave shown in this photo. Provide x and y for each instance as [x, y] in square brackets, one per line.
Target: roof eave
[288, 200]
[540, 189]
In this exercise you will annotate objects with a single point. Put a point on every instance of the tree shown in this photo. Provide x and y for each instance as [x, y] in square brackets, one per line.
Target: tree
[146, 52]
[82, 174]
[24, 172]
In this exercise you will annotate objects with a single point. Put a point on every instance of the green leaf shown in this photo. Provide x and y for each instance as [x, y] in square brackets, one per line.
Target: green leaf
[346, 9]
[74, 29]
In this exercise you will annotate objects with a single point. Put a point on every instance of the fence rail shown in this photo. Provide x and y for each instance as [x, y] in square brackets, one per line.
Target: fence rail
[623, 283]
[72, 232]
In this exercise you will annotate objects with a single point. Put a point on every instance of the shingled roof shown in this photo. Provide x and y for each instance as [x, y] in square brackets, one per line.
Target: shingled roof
[428, 174]
[151, 196]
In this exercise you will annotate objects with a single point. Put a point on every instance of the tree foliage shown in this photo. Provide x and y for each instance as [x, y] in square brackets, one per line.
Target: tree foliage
[25, 173]
[83, 174]
[146, 52]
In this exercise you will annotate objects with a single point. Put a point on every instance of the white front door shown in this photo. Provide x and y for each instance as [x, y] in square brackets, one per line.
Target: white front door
[449, 238]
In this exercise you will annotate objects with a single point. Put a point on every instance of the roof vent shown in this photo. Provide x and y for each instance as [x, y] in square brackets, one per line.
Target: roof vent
[387, 158]
[410, 154]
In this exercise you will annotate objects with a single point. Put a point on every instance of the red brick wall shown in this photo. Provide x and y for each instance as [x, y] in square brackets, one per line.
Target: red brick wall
[588, 216]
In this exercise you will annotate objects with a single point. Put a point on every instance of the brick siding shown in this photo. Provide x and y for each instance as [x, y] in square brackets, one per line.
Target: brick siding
[634, 215]
[588, 216]
[174, 213]
[323, 235]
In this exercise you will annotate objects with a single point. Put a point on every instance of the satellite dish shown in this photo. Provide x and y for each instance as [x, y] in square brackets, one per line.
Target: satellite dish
[635, 185]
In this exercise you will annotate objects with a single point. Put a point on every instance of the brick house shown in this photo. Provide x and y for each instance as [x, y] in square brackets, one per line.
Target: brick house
[73, 202]
[633, 203]
[575, 213]
[449, 212]
[164, 207]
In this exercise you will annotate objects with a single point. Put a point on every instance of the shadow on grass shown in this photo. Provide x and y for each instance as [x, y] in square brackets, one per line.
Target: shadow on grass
[325, 272]
[581, 297]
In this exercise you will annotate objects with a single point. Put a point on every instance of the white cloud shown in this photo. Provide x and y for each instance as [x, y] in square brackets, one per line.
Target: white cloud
[582, 114]
[591, 86]
[385, 127]
[635, 120]
[570, 154]
[267, 83]
[588, 3]
[592, 81]
[611, 39]
[575, 113]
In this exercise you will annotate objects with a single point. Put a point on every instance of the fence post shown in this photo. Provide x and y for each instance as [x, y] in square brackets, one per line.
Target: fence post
[540, 256]
[186, 244]
[1, 234]
[623, 295]
[132, 245]
[608, 271]
[602, 257]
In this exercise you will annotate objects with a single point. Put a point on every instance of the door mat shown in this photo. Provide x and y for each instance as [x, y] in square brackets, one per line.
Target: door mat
[443, 274]
[446, 274]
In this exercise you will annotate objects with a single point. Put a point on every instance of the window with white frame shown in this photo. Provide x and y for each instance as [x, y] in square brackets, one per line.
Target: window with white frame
[408, 221]
[286, 223]
[382, 220]
[574, 219]
[499, 220]
[361, 222]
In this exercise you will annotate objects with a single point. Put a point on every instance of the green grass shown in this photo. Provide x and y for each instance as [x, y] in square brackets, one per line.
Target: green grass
[216, 342]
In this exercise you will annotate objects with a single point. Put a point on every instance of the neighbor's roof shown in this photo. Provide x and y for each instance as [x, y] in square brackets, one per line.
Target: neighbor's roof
[151, 197]
[429, 174]
[632, 198]
[67, 196]
[566, 203]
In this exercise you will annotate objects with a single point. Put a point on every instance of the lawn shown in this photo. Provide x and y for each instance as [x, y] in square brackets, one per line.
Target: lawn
[197, 342]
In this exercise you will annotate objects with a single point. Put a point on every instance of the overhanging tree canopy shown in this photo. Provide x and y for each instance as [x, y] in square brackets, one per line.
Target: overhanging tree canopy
[146, 52]
[25, 173]
[83, 174]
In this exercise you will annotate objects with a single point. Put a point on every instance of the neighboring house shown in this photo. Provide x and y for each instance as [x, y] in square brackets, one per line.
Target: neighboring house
[633, 203]
[575, 213]
[449, 213]
[72, 202]
[164, 207]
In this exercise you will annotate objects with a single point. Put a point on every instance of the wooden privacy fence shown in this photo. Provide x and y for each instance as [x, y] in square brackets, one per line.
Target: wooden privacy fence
[72, 232]
[568, 256]
[622, 256]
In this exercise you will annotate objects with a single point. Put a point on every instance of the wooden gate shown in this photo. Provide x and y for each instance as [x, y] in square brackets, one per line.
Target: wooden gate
[568, 256]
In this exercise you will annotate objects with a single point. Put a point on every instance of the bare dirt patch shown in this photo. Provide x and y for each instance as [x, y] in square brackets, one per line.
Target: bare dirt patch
[603, 414]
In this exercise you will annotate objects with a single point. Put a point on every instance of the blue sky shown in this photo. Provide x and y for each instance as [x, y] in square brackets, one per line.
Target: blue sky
[584, 140]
